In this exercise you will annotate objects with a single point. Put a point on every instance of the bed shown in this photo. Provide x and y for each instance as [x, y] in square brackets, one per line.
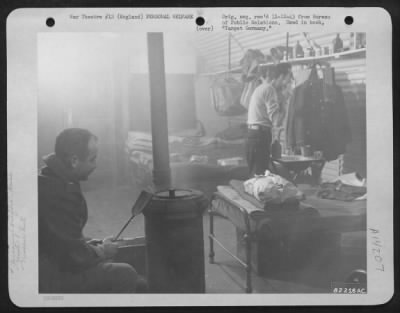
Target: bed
[194, 161]
[273, 237]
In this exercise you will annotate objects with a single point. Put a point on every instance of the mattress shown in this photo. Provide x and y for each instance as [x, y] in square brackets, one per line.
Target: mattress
[184, 172]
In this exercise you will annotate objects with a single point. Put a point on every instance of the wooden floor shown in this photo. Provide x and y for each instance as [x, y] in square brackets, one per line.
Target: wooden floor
[109, 209]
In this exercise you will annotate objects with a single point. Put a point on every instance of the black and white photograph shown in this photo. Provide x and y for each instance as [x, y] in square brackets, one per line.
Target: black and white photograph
[219, 161]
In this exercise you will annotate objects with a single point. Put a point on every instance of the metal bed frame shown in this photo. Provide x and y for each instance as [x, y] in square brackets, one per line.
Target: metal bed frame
[250, 235]
[247, 237]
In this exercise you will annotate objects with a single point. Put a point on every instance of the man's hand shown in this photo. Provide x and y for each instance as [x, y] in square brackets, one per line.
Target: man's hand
[109, 239]
[94, 242]
[110, 248]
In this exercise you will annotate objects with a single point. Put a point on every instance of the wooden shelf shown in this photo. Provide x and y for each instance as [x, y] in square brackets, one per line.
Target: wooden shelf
[356, 53]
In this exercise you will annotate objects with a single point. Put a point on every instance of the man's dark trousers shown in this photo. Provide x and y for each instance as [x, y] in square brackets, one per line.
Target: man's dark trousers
[258, 150]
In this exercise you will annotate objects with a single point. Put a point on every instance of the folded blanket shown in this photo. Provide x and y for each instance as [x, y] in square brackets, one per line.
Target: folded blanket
[239, 187]
[272, 189]
[246, 205]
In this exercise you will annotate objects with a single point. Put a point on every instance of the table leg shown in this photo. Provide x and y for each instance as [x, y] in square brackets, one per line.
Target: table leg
[211, 254]
[316, 171]
[248, 263]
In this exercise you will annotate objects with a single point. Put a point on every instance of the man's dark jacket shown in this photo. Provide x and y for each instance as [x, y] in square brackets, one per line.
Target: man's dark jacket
[317, 116]
[62, 216]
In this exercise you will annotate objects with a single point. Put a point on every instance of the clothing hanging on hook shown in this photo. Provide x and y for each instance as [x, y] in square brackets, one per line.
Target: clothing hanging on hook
[317, 71]
[313, 77]
[225, 92]
[317, 115]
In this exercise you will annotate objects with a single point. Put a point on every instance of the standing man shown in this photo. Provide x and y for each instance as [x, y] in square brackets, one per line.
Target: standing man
[264, 113]
[68, 263]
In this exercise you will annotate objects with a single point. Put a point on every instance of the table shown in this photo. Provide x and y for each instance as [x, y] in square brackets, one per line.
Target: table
[293, 165]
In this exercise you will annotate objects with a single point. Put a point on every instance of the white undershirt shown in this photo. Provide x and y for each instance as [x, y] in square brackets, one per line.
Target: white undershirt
[263, 107]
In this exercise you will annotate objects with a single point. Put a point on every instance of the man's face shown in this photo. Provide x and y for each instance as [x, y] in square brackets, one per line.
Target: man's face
[83, 168]
[283, 80]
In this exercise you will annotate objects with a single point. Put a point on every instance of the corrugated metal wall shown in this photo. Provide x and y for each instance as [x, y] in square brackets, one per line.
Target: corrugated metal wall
[350, 75]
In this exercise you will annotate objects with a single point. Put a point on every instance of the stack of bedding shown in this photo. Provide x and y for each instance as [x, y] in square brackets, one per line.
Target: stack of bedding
[192, 159]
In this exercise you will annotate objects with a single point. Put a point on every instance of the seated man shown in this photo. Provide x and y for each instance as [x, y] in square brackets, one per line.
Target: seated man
[68, 263]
